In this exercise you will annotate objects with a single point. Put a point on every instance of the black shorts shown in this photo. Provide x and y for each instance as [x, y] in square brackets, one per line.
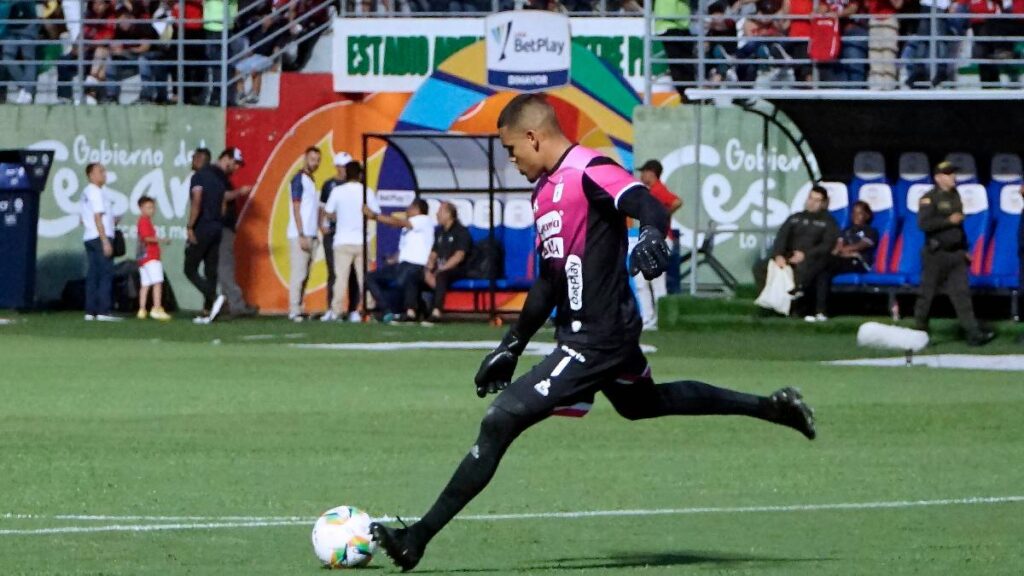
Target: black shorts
[566, 381]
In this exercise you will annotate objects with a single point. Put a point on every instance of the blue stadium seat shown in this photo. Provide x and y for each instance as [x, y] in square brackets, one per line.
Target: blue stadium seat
[1006, 169]
[868, 167]
[914, 169]
[520, 245]
[977, 224]
[478, 222]
[880, 198]
[1002, 265]
[905, 263]
[968, 172]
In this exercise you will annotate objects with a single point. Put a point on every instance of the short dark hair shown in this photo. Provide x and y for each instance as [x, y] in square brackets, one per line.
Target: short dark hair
[90, 167]
[451, 208]
[202, 152]
[820, 190]
[513, 111]
[867, 209]
[312, 149]
[421, 205]
[353, 170]
[145, 200]
[652, 166]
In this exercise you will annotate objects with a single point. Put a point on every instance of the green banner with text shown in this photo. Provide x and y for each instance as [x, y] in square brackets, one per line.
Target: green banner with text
[746, 179]
[147, 152]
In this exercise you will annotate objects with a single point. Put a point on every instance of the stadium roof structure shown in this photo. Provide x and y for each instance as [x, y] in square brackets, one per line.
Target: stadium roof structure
[446, 162]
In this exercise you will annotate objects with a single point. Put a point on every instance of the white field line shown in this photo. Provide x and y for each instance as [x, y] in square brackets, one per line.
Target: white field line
[214, 522]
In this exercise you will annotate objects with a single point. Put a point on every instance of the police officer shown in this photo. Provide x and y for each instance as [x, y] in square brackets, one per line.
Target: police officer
[944, 261]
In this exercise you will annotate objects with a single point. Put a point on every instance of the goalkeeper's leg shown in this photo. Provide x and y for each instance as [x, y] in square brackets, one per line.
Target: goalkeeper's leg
[637, 397]
[506, 418]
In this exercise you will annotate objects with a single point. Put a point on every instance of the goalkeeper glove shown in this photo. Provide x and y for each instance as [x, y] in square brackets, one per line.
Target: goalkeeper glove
[498, 367]
[650, 256]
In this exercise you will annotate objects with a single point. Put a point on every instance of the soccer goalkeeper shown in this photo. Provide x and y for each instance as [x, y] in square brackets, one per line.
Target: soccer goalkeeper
[580, 204]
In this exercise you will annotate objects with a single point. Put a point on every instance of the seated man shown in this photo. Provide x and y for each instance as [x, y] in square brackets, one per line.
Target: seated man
[406, 274]
[804, 242]
[855, 249]
[448, 259]
[133, 50]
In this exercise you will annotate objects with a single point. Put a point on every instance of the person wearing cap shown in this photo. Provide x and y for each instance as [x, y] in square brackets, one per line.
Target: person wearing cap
[303, 225]
[944, 260]
[328, 225]
[650, 291]
[209, 190]
[344, 212]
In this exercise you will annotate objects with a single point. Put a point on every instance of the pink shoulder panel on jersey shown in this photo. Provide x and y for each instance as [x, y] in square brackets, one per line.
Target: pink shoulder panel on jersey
[610, 177]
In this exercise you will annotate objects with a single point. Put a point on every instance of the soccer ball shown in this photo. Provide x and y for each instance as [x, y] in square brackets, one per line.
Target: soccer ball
[341, 538]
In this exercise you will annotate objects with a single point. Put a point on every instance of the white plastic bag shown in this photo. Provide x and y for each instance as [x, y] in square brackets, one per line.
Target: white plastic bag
[776, 294]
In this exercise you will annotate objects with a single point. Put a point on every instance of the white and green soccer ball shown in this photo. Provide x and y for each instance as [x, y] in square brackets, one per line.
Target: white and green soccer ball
[341, 538]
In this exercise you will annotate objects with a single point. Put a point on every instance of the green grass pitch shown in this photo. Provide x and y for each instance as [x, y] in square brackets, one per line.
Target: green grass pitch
[165, 429]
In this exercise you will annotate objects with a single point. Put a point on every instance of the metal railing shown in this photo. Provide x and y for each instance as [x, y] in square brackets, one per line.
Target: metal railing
[928, 49]
[186, 61]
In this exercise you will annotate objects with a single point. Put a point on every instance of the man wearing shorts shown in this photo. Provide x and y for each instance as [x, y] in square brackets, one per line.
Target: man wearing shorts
[580, 203]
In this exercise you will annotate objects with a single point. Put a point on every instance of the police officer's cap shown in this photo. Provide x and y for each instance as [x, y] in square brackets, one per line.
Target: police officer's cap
[946, 167]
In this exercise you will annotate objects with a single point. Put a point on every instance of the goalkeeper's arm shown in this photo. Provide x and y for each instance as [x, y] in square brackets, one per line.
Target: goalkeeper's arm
[650, 256]
[498, 367]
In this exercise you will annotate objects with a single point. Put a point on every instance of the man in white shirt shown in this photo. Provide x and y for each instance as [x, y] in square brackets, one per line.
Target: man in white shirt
[98, 235]
[344, 207]
[303, 223]
[413, 252]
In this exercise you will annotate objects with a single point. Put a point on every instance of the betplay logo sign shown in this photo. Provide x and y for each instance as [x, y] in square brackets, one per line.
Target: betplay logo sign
[527, 50]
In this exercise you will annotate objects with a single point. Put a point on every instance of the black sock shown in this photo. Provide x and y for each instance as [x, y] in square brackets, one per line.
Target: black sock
[685, 398]
[497, 431]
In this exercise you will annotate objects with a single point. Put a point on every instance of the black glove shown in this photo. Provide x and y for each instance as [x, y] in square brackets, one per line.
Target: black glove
[650, 255]
[498, 367]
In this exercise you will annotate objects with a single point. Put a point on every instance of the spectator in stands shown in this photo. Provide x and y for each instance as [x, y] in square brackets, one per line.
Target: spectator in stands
[405, 274]
[344, 210]
[98, 221]
[720, 29]
[218, 15]
[303, 225]
[263, 43]
[650, 291]
[983, 46]
[133, 50]
[920, 49]
[883, 43]
[1008, 27]
[851, 67]
[855, 248]
[805, 241]
[758, 41]
[208, 188]
[672, 25]
[195, 74]
[97, 34]
[799, 31]
[944, 262]
[448, 258]
[17, 35]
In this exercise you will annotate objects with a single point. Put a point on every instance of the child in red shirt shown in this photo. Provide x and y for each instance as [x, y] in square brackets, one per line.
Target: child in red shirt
[151, 270]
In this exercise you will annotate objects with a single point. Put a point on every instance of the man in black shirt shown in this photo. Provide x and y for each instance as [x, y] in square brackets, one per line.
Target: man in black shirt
[581, 202]
[804, 241]
[448, 257]
[944, 260]
[209, 190]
